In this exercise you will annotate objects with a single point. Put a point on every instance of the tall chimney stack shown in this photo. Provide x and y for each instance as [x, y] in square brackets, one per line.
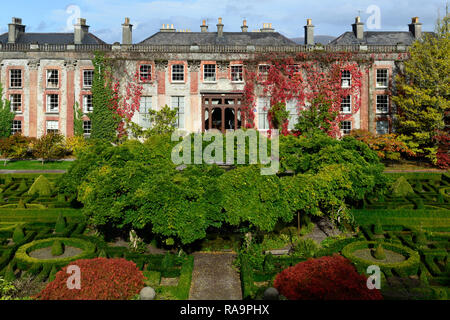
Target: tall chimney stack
[15, 29]
[415, 28]
[204, 26]
[244, 26]
[309, 33]
[167, 28]
[358, 28]
[127, 32]
[81, 30]
[220, 28]
[267, 27]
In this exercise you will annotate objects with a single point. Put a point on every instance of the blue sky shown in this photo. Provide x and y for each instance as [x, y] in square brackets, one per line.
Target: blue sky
[287, 16]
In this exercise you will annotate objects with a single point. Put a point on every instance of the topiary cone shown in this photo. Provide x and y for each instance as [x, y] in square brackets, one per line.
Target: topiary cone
[18, 234]
[57, 248]
[379, 253]
[21, 204]
[60, 225]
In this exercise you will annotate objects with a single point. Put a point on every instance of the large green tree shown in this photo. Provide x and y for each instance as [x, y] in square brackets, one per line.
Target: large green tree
[6, 116]
[424, 91]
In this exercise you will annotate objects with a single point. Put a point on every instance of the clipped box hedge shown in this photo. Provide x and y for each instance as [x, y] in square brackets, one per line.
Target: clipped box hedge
[408, 267]
[25, 262]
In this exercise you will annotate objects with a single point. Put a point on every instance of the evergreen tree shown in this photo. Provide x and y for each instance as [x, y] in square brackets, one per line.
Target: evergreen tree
[6, 116]
[424, 92]
[103, 118]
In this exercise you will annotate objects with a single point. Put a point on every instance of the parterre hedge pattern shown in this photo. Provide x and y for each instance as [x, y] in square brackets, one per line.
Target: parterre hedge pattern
[431, 191]
[39, 232]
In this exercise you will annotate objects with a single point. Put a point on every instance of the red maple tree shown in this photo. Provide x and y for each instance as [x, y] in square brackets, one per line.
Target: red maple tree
[326, 278]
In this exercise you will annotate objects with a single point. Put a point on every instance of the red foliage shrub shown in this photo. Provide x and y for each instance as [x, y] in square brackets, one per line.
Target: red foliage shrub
[442, 155]
[101, 279]
[326, 278]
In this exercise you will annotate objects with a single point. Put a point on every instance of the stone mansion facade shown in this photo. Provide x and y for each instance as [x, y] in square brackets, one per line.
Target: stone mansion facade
[201, 73]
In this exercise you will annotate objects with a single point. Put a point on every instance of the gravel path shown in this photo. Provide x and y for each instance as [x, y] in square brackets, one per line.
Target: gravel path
[31, 171]
[46, 253]
[214, 278]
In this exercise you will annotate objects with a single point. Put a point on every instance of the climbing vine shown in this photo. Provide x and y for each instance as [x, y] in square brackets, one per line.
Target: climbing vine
[313, 82]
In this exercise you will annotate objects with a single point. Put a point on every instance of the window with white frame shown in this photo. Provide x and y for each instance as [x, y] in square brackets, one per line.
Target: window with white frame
[15, 78]
[88, 78]
[16, 103]
[382, 127]
[263, 70]
[87, 127]
[209, 72]
[145, 72]
[263, 109]
[346, 78]
[382, 103]
[88, 105]
[178, 103]
[52, 126]
[52, 103]
[237, 74]
[291, 107]
[52, 79]
[144, 112]
[382, 78]
[178, 73]
[346, 104]
[16, 126]
[346, 127]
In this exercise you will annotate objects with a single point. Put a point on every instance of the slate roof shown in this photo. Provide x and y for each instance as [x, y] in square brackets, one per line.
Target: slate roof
[51, 38]
[211, 38]
[376, 38]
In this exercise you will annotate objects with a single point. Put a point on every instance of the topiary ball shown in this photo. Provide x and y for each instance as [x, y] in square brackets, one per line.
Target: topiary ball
[102, 279]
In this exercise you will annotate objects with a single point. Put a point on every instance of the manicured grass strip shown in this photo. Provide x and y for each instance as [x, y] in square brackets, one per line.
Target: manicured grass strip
[48, 215]
[36, 165]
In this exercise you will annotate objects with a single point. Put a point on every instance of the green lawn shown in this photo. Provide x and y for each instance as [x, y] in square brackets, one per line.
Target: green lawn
[36, 165]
